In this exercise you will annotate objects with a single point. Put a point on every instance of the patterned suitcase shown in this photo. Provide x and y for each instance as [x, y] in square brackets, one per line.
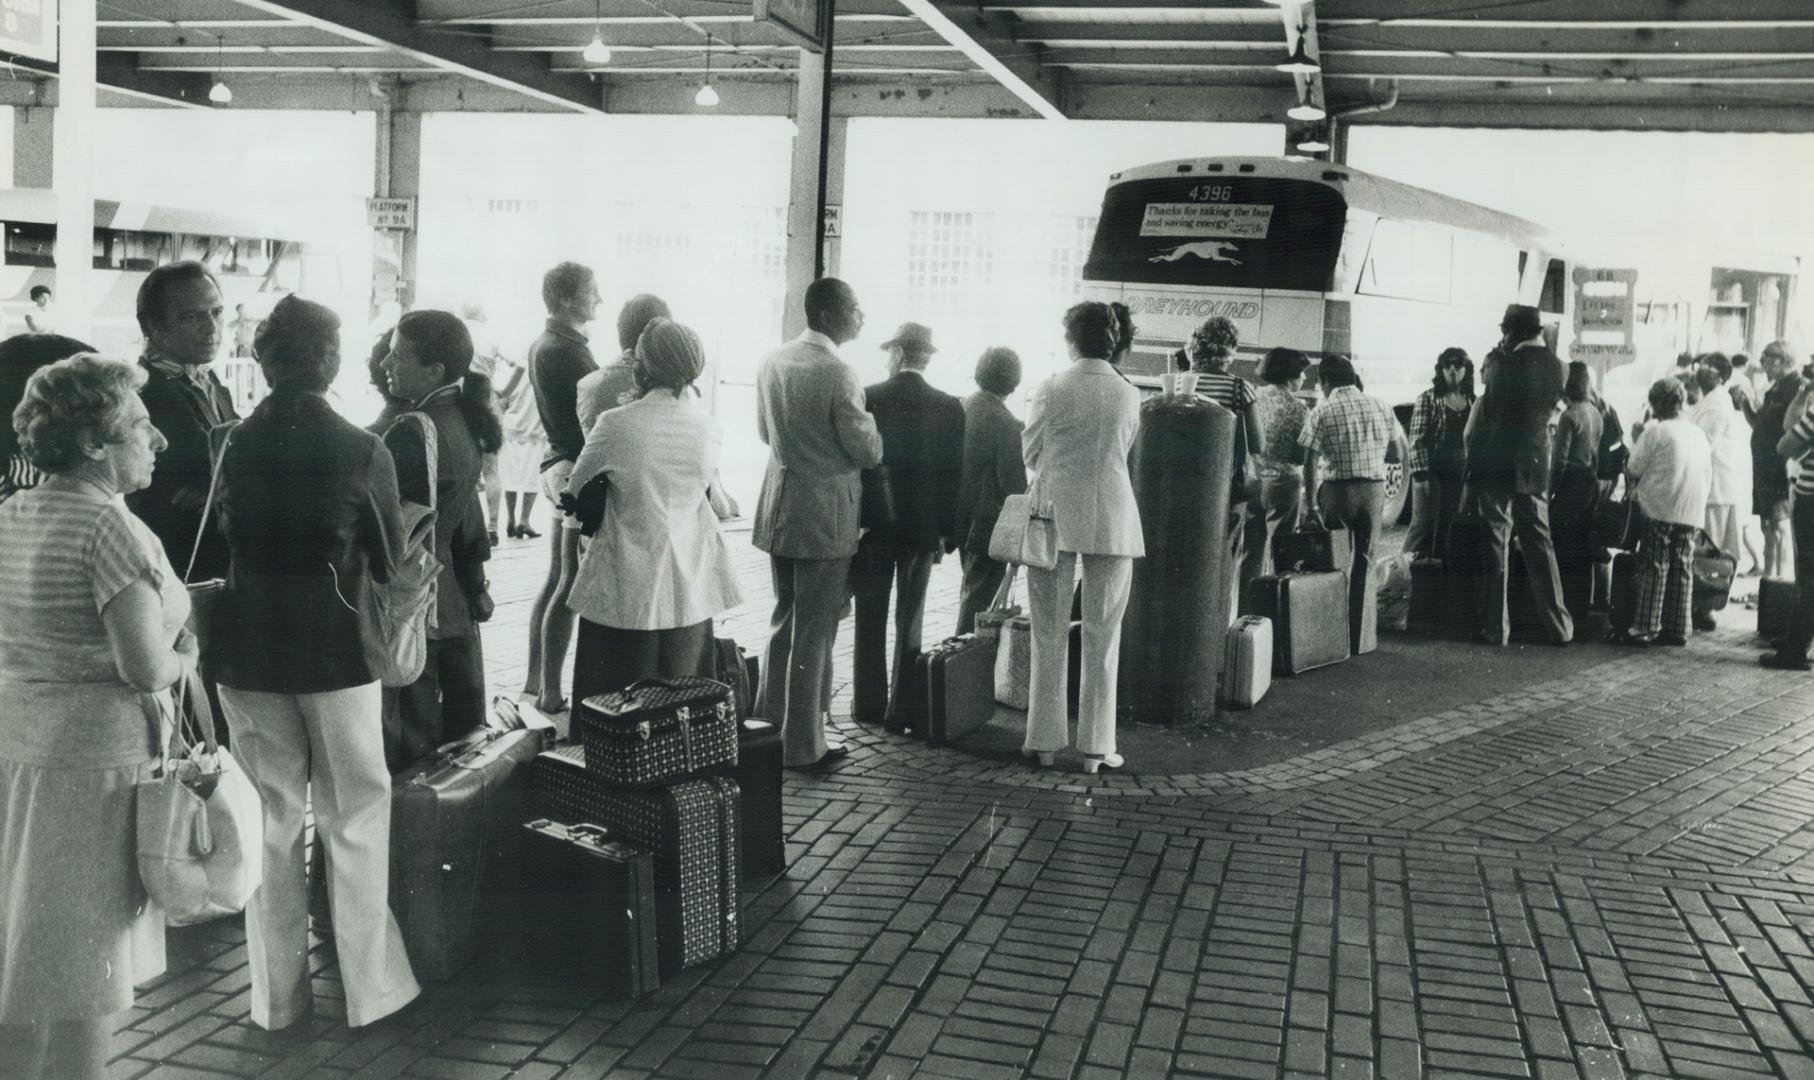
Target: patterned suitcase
[658, 731]
[692, 830]
[588, 911]
[758, 776]
[1776, 599]
[959, 675]
[1247, 662]
[1309, 614]
[1426, 614]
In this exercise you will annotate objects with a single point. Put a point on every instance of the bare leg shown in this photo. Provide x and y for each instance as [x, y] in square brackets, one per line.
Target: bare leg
[532, 678]
[557, 622]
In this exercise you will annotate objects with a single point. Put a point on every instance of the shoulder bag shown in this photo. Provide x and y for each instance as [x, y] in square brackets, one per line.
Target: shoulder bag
[1023, 536]
[200, 821]
[398, 613]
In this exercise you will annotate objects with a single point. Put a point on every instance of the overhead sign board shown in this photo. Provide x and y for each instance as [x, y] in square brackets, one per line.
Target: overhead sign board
[1605, 315]
[802, 20]
[29, 28]
[390, 213]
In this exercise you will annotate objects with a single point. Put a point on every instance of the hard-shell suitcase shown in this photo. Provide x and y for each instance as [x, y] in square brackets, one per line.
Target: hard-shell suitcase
[735, 670]
[1776, 600]
[758, 776]
[457, 847]
[1313, 550]
[1427, 615]
[1247, 662]
[959, 676]
[1309, 614]
[692, 830]
[659, 731]
[588, 910]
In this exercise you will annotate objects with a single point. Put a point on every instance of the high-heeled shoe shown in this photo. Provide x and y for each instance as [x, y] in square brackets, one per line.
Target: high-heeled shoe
[1092, 762]
[527, 533]
[1044, 757]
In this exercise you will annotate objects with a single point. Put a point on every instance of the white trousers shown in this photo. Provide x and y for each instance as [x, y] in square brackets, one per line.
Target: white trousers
[1106, 582]
[331, 742]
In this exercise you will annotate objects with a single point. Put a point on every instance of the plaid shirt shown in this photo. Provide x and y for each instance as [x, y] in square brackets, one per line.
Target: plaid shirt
[1351, 431]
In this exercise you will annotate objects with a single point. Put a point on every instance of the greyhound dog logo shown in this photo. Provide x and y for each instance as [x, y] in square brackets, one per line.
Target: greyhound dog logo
[1211, 250]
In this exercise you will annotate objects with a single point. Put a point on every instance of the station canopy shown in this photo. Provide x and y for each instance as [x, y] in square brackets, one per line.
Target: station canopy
[1709, 65]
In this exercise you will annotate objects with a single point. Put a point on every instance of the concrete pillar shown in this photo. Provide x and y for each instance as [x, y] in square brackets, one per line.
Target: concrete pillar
[398, 165]
[808, 192]
[33, 145]
[73, 162]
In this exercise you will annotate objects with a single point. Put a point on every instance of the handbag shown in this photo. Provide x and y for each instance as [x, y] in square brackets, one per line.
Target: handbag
[1014, 662]
[1618, 523]
[200, 821]
[1023, 536]
[397, 614]
[1712, 571]
[1001, 609]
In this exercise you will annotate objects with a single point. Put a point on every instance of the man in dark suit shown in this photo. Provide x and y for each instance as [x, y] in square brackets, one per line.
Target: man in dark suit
[923, 460]
[1508, 472]
[993, 470]
[180, 313]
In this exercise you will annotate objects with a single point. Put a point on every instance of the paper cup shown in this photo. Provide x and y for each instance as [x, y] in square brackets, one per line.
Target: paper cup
[1187, 383]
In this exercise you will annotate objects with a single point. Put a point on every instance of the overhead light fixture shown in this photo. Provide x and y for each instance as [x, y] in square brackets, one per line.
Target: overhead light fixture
[707, 98]
[596, 51]
[220, 93]
[1313, 144]
[1300, 63]
[1306, 109]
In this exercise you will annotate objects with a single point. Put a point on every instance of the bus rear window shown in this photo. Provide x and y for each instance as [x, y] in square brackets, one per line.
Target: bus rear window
[1237, 232]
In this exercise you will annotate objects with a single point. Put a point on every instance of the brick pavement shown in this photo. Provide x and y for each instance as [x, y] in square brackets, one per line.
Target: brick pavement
[1605, 875]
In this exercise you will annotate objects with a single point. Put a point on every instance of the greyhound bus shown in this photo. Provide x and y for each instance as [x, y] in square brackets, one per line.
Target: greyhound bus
[252, 266]
[1320, 258]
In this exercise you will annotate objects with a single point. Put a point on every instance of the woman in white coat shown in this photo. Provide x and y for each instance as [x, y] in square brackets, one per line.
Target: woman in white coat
[1079, 431]
[658, 571]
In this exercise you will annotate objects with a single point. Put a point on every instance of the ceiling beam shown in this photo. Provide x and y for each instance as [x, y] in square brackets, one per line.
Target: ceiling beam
[987, 39]
[385, 22]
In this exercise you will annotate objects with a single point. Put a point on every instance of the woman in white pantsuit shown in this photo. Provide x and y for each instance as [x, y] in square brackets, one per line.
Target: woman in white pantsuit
[1079, 431]
[308, 503]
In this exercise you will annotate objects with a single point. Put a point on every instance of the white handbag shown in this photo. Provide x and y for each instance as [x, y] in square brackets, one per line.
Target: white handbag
[1014, 663]
[1023, 536]
[200, 821]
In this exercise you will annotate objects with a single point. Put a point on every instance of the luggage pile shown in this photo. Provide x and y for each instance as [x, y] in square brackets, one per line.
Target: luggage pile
[1294, 620]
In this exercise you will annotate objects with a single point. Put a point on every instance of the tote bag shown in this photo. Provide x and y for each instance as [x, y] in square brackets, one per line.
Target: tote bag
[200, 822]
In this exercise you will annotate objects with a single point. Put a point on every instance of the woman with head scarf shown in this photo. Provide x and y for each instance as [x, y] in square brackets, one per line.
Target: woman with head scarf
[658, 570]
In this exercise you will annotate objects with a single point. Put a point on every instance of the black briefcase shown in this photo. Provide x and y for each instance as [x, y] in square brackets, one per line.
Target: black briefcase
[588, 911]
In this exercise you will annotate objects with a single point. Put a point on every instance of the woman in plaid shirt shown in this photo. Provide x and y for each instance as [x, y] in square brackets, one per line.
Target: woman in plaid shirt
[1438, 456]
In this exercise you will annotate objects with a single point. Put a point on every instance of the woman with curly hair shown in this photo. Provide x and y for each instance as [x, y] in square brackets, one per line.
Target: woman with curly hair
[1212, 347]
[1438, 457]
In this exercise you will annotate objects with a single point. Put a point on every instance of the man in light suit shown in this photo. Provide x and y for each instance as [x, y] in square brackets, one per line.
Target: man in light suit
[810, 412]
[923, 456]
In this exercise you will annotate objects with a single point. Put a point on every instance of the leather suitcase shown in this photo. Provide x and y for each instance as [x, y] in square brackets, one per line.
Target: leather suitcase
[457, 845]
[660, 731]
[1776, 600]
[1309, 614]
[1313, 550]
[692, 830]
[958, 674]
[1426, 615]
[588, 911]
[1247, 662]
[1466, 562]
[758, 776]
[735, 670]
[1712, 571]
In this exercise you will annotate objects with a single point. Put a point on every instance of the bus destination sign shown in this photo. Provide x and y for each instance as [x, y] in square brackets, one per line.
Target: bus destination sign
[1237, 221]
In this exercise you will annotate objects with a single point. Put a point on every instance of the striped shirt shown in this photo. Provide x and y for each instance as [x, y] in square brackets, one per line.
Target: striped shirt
[1228, 391]
[1804, 430]
[71, 548]
[1352, 432]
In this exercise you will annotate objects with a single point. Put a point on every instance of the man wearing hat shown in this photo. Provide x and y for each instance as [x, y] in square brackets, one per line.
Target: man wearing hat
[923, 460]
[809, 410]
[1508, 473]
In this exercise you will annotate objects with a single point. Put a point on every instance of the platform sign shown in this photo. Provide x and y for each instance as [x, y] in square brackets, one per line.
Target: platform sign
[390, 213]
[29, 28]
[834, 221]
[802, 20]
[1605, 316]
